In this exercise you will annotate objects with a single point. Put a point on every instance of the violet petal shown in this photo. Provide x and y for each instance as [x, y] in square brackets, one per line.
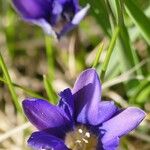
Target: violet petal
[80, 15]
[33, 9]
[122, 123]
[75, 21]
[41, 140]
[46, 117]
[57, 9]
[68, 27]
[106, 110]
[111, 144]
[67, 103]
[87, 93]
[47, 28]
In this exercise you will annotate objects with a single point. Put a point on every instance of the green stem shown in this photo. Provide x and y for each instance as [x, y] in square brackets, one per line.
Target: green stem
[51, 71]
[111, 15]
[98, 54]
[49, 90]
[25, 89]
[124, 33]
[109, 52]
[10, 85]
[50, 60]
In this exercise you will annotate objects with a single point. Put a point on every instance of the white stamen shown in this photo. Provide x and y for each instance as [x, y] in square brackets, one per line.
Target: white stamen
[81, 139]
[86, 141]
[87, 134]
[78, 141]
[80, 131]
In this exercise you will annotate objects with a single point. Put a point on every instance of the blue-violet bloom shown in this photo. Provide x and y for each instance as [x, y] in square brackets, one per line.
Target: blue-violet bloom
[80, 121]
[56, 17]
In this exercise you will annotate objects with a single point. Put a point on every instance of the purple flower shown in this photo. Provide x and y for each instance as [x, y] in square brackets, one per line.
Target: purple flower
[56, 17]
[80, 121]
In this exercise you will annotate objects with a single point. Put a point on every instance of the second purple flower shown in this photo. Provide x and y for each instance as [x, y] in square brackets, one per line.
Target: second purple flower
[56, 17]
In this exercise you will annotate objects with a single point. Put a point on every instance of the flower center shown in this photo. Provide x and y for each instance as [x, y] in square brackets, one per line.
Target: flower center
[81, 139]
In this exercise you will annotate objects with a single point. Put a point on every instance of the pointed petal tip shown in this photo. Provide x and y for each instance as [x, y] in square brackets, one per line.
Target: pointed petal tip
[64, 92]
[88, 6]
[90, 71]
[28, 101]
[25, 102]
[139, 112]
[80, 15]
[87, 76]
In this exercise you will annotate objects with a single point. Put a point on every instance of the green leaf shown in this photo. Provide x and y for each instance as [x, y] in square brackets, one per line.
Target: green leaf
[109, 52]
[144, 95]
[10, 33]
[139, 18]
[142, 85]
[10, 85]
[25, 89]
[123, 51]
[49, 90]
[50, 57]
[128, 53]
[98, 54]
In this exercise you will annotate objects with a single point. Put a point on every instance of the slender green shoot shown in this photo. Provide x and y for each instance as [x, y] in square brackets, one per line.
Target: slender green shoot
[139, 90]
[111, 14]
[25, 89]
[124, 35]
[139, 18]
[109, 52]
[50, 58]
[10, 85]
[98, 54]
[51, 71]
[49, 90]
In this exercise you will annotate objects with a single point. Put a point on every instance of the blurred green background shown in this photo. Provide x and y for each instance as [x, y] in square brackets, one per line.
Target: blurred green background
[39, 66]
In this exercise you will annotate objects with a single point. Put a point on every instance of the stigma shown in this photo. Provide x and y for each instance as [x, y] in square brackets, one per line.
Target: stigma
[81, 139]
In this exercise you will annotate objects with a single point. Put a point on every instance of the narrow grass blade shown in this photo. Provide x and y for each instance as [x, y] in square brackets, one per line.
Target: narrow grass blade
[128, 53]
[49, 90]
[140, 88]
[50, 57]
[144, 95]
[98, 54]
[10, 85]
[139, 18]
[126, 56]
[10, 33]
[25, 89]
[109, 52]
[29, 91]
